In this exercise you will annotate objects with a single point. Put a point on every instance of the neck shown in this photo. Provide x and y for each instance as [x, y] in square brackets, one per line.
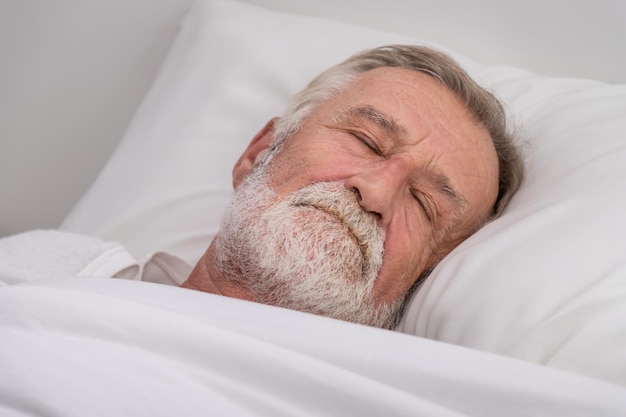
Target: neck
[206, 277]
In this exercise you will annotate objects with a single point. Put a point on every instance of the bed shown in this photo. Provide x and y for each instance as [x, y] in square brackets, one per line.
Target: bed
[524, 318]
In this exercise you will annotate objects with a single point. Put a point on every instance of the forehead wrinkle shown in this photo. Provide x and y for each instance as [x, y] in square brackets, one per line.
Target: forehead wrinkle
[369, 113]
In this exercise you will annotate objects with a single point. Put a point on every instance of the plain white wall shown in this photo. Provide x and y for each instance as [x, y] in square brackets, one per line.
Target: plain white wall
[72, 72]
[571, 38]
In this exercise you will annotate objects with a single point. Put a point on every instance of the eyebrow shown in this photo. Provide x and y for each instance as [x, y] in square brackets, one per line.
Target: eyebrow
[369, 113]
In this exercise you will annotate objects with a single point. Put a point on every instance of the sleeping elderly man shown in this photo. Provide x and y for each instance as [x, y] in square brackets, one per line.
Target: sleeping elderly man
[378, 169]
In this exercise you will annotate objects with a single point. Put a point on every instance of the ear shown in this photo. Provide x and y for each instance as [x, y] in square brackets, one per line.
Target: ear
[257, 147]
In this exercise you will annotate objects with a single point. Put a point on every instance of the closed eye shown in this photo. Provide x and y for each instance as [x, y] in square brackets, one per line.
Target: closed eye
[423, 203]
[364, 139]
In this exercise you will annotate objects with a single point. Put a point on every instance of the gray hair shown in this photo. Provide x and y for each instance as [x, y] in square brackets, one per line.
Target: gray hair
[483, 105]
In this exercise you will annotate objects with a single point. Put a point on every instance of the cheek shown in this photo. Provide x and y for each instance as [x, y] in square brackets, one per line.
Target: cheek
[407, 254]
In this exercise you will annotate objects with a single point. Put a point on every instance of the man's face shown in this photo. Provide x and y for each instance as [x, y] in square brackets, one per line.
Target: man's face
[406, 153]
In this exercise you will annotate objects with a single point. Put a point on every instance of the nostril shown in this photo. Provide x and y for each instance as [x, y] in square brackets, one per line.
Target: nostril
[357, 193]
[359, 199]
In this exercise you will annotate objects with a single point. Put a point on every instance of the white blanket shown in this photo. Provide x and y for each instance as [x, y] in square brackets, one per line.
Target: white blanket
[91, 347]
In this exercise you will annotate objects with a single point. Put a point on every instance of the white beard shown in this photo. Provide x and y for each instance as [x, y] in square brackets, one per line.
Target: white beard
[316, 251]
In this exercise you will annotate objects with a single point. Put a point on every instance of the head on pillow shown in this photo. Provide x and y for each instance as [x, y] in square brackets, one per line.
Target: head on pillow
[379, 168]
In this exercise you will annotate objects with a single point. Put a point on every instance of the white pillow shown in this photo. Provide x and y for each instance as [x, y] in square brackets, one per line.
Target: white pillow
[546, 282]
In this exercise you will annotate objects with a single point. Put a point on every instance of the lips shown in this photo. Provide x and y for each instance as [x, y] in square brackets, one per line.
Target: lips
[338, 215]
[350, 221]
[335, 200]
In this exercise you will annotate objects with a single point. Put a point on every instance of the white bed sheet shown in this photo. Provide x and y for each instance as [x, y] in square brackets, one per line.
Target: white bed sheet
[106, 347]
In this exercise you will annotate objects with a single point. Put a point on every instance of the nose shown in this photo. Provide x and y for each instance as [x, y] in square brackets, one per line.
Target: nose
[382, 186]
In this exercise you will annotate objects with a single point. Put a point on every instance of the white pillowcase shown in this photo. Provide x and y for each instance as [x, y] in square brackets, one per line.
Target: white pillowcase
[546, 282]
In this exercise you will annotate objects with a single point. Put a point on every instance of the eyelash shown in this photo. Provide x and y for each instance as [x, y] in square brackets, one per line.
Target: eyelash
[423, 206]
